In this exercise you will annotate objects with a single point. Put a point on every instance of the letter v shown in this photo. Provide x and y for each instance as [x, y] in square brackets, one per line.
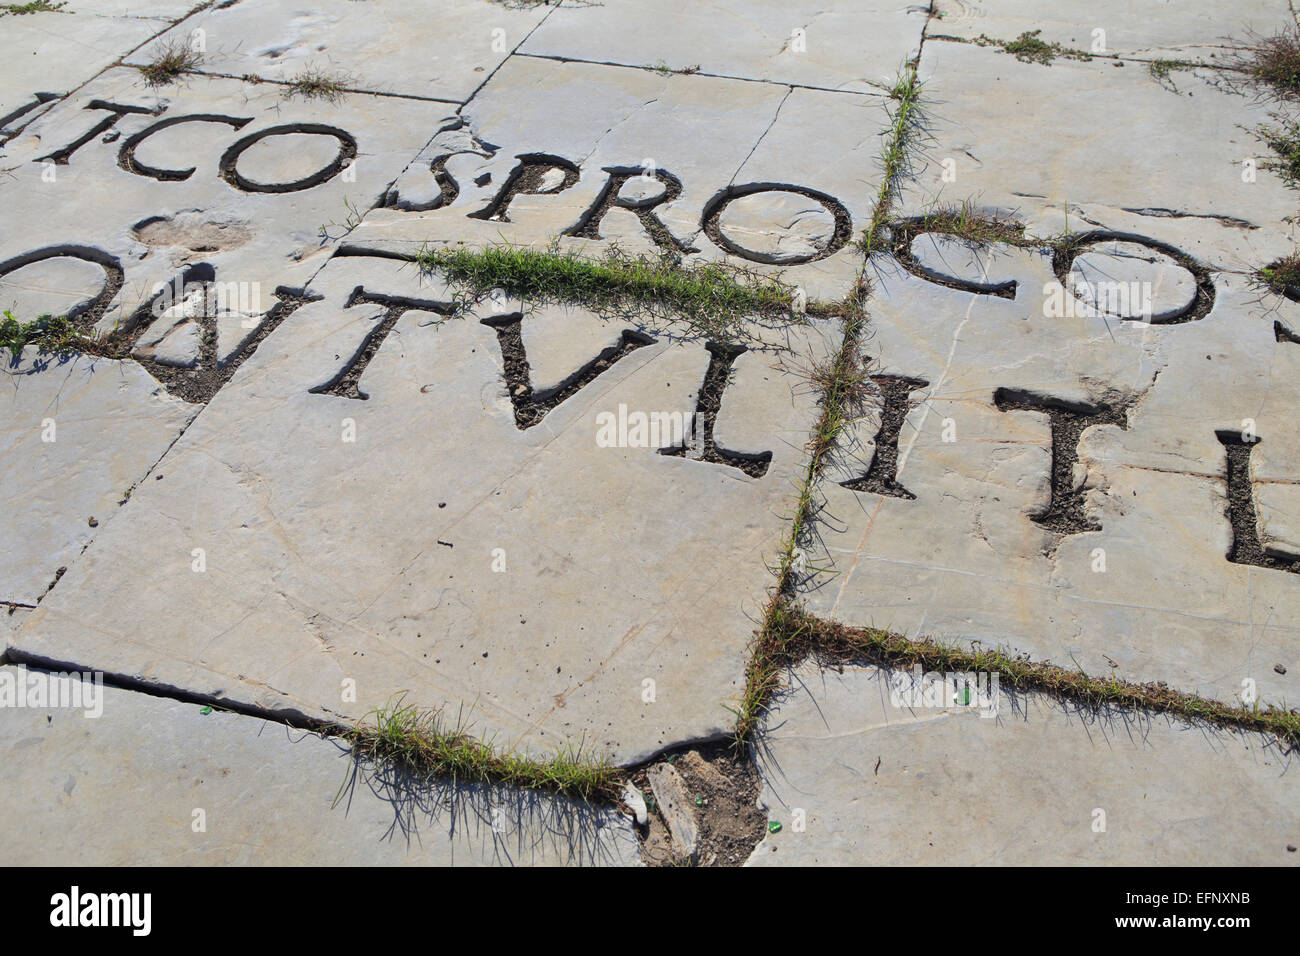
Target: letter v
[532, 406]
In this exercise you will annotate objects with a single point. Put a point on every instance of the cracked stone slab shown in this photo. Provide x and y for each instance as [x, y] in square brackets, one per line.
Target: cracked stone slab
[57, 52]
[713, 137]
[306, 544]
[230, 790]
[443, 52]
[79, 433]
[114, 420]
[1081, 145]
[837, 46]
[1189, 29]
[1148, 589]
[1039, 784]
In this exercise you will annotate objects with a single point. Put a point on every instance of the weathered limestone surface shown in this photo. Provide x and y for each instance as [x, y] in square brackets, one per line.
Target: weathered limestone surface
[56, 52]
[89, 225]
[146, 9]
[880, 784]
[316, 486]
[418, 540]
[856, 46]
[78, 433]
[444, 52]
[221, 789]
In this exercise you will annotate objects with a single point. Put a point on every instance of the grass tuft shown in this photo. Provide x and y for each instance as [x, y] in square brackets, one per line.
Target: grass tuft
[785, 639]
[170, 60]
[317, 85]
[791, 636]
[426, 746]
[965, 221]
[712, 299]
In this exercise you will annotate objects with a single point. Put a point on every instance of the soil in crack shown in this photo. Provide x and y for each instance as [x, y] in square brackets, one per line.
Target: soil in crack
[730, 821]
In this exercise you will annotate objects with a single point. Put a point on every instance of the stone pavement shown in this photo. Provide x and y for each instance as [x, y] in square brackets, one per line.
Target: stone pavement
[311, 479]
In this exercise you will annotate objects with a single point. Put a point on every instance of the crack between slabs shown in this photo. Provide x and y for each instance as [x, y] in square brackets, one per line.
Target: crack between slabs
[353, 91]
[701, 73]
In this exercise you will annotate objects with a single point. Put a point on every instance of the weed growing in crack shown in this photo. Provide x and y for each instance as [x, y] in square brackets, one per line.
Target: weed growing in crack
[1162, 71]
[49, 334]
[1281, 277]
[423, 744]
[1272, 62]
[906, 127]
[712, 299]
[36, 6]
[1285, 142]
[350, 222]
[843, 382]
[1028, 48]
[783, 640]
[317, 85]
[664, 69]
[170, 60]
[836, 645]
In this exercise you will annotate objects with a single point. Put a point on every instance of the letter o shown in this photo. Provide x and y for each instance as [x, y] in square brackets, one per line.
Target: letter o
[230, 160]
[713, 211]
[93, 307]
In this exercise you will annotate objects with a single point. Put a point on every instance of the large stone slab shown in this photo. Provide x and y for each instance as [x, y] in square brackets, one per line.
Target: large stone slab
[1134, 573]
[1187, 30]
[99, 242]
[1039, 785]
[308, 540]
[441, 52]
[79, 433]
[1078, 145]
[686, 152]
[228, 790]
[56, 52]
[837, 46]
